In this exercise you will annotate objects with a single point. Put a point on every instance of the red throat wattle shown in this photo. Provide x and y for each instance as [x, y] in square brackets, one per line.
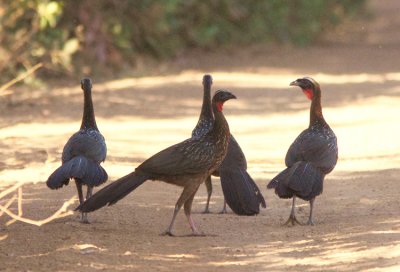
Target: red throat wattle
[309, 93]
[220, 105]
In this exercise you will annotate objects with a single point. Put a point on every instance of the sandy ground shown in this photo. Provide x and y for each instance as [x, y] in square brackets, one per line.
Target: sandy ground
[358, 217]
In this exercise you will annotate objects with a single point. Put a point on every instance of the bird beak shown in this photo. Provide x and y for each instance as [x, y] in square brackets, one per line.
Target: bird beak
[232, 96]
[86, 83]
[294, 83]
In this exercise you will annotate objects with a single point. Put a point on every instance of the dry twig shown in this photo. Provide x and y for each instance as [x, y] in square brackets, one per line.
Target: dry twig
[8, 204]
[4, 209]
[11, 189]
[62, 212]
[19, 206]
[22, 76]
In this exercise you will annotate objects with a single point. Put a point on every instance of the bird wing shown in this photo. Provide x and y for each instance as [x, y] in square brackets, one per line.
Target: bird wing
[235, 156]
[186, 158]
[316, 146]
[88, 143]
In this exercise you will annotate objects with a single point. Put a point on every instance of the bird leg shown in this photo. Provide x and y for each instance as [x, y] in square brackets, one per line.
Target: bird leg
[81, 200]
[168, 231]
[186, 194]
[209, 192]
[188, 208]
[224, 211]
[292, 218]
[89, 192]
[88, 195]
[310, 219]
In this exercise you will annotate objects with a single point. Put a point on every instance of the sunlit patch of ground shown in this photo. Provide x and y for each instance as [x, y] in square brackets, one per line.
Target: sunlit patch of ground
[125, 237]
[366, 131]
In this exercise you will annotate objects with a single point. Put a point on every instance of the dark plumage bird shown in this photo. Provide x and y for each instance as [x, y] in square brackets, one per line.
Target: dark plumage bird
[240, 191]
[186, 164]
[83, 153]
[311, 156]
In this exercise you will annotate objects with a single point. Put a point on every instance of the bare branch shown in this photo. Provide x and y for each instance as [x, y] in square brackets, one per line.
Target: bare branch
[11, 189]
[19, 206]
[62, 212]
[20, 201]
[8, 204]
[20, 77]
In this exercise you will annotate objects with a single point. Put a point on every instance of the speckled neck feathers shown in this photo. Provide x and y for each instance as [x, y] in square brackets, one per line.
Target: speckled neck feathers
[206, 111]
[206, 118]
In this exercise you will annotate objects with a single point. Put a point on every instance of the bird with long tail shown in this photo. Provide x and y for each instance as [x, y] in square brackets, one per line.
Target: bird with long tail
[186, 164]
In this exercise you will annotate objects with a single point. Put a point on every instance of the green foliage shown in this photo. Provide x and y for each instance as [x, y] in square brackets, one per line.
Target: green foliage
[75, 36]
[29, 34]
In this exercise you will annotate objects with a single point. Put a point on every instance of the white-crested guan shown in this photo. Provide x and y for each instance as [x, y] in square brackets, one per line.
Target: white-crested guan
[311, 156]
[240, 191]
[186, 164]
[83, 153]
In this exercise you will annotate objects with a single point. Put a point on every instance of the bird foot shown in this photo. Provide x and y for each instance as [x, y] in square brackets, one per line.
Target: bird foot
[206, 211]
[292, 220]
[223, 211]
[84, 219]
[310, 222]
[167, 233]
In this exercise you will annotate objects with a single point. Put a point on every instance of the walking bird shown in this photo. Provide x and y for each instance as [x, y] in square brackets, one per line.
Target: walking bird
[82, 154]
[186, 164]
[311, 156]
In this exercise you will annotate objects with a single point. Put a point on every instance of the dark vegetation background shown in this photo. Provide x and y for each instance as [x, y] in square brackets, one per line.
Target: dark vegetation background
[83, 37]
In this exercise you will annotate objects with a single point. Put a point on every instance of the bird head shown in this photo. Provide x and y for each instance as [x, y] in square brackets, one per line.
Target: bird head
[308, 85]
[220, 97]
[207, 80]
[86, 84]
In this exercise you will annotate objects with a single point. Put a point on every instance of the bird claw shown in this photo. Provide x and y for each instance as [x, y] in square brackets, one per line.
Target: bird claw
[223, 211]
[310, 222]
[84, 219]
[167, 233]
[292, 220]
[206, 211]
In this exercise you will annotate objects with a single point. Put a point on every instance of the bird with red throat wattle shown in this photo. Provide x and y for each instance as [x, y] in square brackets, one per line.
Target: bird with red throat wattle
[312, 155]
[241, 193]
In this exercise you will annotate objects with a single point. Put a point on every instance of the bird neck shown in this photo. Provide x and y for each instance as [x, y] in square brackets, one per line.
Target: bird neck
[220, 127]
[206, 108]
[316, 117]
[88, 119]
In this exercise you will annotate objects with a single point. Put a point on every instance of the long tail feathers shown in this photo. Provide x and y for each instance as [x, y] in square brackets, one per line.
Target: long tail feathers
[301, 179]
[241, 192]
[87, 171]
[113, 192]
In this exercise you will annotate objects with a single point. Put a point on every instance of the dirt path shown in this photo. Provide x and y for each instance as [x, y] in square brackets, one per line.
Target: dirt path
[358, 217]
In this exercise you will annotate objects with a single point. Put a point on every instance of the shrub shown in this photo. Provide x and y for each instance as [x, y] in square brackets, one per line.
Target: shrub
[67, 36]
